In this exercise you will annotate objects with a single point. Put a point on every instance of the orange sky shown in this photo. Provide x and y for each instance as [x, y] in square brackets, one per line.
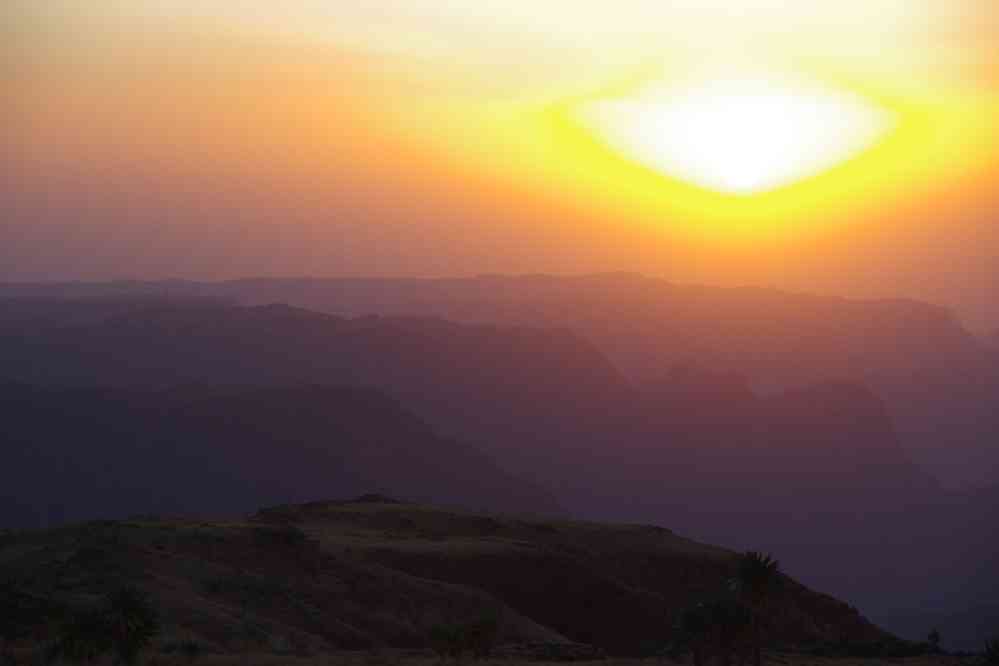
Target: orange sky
[219, 139]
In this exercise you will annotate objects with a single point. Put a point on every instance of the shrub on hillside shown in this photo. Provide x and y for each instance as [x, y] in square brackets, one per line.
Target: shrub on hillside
[21, 614]
[445, 640]
[82, 637]
[720, 628]
[123, 625]
[476, 638]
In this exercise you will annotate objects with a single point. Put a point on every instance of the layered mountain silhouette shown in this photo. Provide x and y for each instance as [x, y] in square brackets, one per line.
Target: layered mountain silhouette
[931, 372]
[819, 472]
[938, 380]
[83, 454]
[545, 404]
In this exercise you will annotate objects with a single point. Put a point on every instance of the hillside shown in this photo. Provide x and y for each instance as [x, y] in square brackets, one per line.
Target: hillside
[350, 575]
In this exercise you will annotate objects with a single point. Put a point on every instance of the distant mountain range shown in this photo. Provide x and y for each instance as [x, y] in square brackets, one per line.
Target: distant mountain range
[83, 454]
[543, 403]
[939, 381]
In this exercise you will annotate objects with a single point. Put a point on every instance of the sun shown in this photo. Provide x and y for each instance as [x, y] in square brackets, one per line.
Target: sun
[742, 134]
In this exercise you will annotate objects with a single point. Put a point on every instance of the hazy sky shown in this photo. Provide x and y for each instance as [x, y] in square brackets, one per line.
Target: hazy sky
[215, 139]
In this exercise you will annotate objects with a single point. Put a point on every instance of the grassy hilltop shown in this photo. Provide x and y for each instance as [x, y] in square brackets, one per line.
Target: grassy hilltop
[375, 575]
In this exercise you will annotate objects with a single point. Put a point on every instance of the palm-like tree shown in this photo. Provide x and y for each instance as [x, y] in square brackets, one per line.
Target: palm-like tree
[755, 582]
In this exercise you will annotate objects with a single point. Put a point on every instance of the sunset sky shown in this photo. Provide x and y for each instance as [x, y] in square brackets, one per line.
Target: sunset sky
[847, 147]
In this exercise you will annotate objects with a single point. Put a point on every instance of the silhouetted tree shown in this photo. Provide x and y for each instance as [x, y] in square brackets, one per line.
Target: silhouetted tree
[755, 582]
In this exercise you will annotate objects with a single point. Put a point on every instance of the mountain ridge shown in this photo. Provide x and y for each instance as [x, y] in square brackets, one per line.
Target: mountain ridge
[112, 451]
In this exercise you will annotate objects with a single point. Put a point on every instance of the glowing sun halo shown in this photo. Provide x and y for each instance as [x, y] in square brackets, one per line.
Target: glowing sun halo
[740, 135]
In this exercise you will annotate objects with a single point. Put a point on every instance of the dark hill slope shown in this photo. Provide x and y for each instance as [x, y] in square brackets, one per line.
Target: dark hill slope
[616, 586]
[356, 574]
[235, 587]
